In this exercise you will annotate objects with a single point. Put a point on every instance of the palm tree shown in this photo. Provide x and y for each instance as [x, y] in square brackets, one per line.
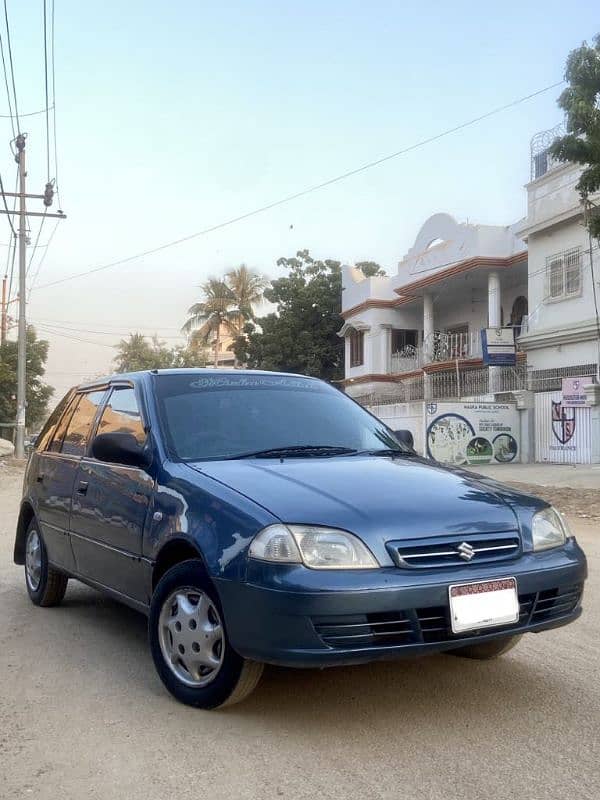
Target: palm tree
[247, 286]
[218, 310]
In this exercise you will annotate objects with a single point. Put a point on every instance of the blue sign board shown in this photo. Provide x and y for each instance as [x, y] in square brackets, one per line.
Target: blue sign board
[498, 345]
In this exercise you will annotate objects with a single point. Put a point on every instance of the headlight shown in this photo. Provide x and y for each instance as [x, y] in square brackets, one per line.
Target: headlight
[315, 547]
[548, 529]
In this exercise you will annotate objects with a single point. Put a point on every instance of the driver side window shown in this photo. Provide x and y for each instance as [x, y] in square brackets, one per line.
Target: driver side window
[122, 415]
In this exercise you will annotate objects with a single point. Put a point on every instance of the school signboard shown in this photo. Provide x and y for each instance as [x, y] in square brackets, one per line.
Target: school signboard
[472, 433]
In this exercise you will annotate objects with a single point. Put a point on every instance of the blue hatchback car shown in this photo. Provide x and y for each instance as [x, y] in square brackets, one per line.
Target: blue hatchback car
[259, 517]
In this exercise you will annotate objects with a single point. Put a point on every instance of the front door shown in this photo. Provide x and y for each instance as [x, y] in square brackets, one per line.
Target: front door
[110, 506]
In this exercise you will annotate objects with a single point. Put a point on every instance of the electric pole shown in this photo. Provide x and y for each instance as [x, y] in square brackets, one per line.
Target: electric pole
[22, 213]
[4, 313]
[22, 341]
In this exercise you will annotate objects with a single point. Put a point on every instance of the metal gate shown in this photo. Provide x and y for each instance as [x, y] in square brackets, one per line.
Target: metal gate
[562, 435]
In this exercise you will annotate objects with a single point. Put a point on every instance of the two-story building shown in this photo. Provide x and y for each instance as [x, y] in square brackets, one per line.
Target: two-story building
[426, 320]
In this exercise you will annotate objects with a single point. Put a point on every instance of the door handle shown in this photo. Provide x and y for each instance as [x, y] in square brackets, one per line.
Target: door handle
[83, 487]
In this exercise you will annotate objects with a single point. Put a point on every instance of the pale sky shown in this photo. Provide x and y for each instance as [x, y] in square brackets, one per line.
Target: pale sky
[173, 118]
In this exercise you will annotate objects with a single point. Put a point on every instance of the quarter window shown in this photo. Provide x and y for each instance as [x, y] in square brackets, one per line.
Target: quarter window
[357, 348]
[122, 415]
[563, 274]
[81, 422]
[49, 428]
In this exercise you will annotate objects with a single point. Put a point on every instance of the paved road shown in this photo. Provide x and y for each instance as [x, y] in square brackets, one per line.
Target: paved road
[82, 714]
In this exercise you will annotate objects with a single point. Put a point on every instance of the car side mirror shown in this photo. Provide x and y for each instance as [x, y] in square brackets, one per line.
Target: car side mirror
[405, 437]
[120, 447]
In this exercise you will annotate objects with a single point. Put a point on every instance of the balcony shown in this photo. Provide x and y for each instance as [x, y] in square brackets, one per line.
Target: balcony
[437, 348]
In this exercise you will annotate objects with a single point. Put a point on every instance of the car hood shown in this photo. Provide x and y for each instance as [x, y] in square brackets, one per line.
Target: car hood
[372, 496]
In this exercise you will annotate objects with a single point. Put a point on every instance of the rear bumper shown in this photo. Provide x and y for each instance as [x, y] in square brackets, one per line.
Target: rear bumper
[294, 616]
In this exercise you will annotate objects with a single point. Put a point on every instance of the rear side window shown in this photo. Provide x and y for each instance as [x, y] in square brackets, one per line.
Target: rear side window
[49, 428]
[61, 428]
[122, 415]
[80, 424]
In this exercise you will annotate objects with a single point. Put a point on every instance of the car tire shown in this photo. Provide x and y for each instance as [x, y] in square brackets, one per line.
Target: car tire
[487, 650]
[189, 644]
[46, 586]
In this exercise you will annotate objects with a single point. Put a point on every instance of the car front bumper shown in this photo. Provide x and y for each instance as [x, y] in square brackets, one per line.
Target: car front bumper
[293, 616]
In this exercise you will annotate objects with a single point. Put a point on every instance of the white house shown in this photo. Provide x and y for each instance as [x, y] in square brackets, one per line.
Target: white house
[562, 329]
[561, 336]
[456, 279]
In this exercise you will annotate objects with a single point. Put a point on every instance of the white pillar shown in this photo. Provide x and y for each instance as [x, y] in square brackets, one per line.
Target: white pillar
[385, 348]
[428, 327]
[494, 321]
[494, 301]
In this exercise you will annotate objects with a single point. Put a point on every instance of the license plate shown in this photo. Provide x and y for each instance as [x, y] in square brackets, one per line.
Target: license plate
[483, 604]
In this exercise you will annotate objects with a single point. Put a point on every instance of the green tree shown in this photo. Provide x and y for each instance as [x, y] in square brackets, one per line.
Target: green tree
[370, 269]
[301, 336]
[37, 392]
[217, 311]
[137, 353]
[581, 104]
[248, 287]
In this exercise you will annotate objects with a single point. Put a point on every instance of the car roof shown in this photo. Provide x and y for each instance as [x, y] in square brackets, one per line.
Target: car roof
[134, 377]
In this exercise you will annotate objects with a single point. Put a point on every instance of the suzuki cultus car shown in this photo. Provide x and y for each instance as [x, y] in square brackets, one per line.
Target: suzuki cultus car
[267, 518]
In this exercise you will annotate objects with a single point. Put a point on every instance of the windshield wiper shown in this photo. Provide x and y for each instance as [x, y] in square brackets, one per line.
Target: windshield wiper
[297, 450]
[389, 451]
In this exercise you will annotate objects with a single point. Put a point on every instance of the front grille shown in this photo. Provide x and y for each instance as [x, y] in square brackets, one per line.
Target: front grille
[432, 625]
[444, 551]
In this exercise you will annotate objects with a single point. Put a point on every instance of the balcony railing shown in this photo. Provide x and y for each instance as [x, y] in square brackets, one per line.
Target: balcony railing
[541, 160]
[436, 348]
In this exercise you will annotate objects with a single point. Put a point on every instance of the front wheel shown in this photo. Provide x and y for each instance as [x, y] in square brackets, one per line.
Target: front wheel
[486, 650]
[189, 643]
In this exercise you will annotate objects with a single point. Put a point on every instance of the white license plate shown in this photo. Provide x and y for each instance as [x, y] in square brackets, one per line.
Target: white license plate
[483, 604]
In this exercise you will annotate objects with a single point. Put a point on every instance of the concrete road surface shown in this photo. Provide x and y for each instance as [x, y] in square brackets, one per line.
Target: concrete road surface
[83, 715]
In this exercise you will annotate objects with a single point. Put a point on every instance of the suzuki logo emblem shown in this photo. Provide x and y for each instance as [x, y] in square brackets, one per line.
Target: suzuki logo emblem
[465, 551]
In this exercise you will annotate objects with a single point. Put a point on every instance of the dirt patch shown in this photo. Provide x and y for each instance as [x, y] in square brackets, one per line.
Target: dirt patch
[583, 503]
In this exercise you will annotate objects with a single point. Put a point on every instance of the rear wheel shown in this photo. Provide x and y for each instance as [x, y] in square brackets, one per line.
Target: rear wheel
[487, 650]
[189, 643]
[45, 585]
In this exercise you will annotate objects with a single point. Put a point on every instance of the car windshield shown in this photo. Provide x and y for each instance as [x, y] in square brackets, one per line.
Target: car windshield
[232, 416]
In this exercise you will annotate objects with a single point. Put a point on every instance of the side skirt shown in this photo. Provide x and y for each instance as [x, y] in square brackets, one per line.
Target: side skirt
[137, 605]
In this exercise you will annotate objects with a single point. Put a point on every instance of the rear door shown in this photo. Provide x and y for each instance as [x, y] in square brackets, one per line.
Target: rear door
[110, 506]
[54, 473]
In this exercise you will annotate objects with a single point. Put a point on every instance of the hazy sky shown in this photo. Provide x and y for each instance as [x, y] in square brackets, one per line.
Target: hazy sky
[174, 117]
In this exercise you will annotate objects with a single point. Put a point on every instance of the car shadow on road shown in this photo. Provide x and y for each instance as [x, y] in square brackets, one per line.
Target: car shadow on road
[434, 688]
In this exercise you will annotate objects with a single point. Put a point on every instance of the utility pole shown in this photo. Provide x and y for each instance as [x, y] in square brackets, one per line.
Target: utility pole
[22, 342]
[22, 213]
[4, 313]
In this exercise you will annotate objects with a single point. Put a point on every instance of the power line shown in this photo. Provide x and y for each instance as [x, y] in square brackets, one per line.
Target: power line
[30, 114]
[10, 108]
[53, 71]
[8, 215]
[303, 192]
[12, 68]
[46, 94]
[47, 330]
[37, 241]
[42, 259]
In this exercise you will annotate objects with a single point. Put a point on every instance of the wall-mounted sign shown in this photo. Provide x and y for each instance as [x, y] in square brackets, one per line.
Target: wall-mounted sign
[498, 345]
[572, 391]
[472, 433]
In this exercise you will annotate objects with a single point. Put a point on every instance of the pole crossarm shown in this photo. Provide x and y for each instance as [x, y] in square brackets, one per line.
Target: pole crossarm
[33, 213]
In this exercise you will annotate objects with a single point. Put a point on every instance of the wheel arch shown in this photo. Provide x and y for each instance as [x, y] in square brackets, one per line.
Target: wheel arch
[26, 514]
[173, 552]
